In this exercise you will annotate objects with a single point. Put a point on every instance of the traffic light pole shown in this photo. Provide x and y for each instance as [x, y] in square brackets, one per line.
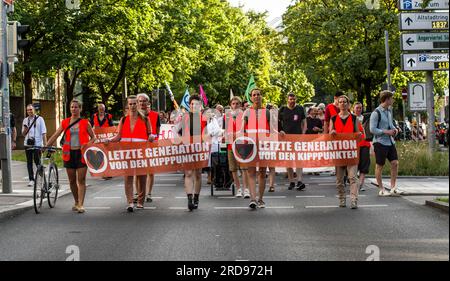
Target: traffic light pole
[5, 130]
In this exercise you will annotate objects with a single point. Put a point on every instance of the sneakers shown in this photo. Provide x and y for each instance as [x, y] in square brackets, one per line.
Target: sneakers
[139, 206]
[75, 208]
[300, 186]
[253, 204]
[81, 210]
[362, 188]
[130, 208]
[246, 193]
[272, 189]
[31, 183]
[239, 193]
[135, 198]
[354, 204]
[291, 185]
[384, 193]
[342, 202]
[149, 198]
[261, 204]
[396, 192]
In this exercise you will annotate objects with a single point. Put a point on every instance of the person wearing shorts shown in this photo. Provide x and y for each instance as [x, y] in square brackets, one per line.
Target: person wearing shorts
[77, 132]
[233, 122]
[384, 131]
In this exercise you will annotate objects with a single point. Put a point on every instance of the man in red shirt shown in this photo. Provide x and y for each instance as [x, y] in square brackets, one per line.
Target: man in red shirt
[331, 110]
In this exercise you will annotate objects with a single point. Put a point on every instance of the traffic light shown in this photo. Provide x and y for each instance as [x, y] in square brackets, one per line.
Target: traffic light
[16, 37]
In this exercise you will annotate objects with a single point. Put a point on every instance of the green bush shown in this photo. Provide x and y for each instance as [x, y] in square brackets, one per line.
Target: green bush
[414, 160]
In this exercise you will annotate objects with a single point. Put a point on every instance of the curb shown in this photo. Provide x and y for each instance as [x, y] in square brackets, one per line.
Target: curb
[437, 205]
[414, 193]
[21, 208]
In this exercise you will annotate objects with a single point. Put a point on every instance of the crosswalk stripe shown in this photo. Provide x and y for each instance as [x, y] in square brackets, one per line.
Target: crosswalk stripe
[107, 197]
[97, 208]
[311, 196]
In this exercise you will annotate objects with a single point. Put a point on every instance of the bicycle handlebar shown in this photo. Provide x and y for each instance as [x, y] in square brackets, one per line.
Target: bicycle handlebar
[49, 148]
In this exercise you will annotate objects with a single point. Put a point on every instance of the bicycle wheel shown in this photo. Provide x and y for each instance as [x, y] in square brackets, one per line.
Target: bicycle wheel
[53, 185]
[39, 189]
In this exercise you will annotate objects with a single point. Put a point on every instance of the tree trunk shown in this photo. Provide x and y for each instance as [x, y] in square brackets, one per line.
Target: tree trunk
[70, 87]
[27, 78]
[368, 92]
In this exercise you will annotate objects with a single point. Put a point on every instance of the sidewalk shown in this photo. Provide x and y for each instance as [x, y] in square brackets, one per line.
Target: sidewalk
[21, 199]
[423, 186]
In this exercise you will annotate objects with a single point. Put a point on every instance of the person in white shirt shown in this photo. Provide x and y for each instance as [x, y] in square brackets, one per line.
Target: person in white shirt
[35, 133]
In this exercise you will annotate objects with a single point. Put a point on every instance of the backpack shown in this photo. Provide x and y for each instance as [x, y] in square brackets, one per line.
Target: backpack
[366, 125]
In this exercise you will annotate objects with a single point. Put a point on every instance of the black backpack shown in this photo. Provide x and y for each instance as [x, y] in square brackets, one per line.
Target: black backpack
[366, 124]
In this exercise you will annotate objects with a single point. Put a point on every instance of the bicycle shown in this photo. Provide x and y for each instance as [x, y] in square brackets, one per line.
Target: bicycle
[45, 185]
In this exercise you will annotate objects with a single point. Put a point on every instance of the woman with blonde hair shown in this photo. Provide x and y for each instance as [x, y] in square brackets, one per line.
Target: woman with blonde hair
[77, 132]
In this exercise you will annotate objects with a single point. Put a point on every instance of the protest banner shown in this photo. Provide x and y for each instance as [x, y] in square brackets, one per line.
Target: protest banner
[102, 134]
[129, 159]
[297, 151]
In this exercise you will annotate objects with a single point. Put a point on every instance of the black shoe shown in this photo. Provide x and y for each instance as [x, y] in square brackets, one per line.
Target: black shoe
[300, 186]
[190, 203]
[253, 204]
[196, 199]
[291, 186]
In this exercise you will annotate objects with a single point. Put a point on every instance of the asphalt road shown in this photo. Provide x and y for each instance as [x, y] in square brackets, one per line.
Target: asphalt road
[296, 225]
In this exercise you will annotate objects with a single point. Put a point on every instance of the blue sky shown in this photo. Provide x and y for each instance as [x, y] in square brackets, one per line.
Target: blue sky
[275, 7]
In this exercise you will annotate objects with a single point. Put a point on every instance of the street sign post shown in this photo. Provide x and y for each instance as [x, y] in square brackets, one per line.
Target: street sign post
[424, 21]
[425, 41]
[411, 5]
[417, 96]
[425, 62]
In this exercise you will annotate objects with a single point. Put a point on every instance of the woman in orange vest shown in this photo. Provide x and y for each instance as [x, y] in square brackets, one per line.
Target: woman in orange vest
[346, 123]
[192, 125]
[257, 125]
[135, 127]
[77, 132]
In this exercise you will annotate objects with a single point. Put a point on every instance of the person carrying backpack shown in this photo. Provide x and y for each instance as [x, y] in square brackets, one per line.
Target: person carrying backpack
[384, 131]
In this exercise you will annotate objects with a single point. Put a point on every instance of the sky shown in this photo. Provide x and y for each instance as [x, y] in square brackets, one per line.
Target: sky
[276, 8]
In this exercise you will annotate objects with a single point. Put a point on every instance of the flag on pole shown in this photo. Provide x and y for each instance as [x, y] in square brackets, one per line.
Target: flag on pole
[203, 96]
[231, 94]
[250, 87]
[172, 98]
[185, 101]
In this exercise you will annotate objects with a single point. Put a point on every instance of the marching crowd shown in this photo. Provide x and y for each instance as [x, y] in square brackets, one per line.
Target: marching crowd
[141, 124]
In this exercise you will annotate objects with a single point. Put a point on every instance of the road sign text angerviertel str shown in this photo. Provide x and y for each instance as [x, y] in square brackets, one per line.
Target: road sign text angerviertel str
[425, 41]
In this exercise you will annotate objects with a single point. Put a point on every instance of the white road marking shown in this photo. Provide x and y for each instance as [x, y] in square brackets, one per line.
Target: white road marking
[177, 208]
[107, 197]
[164, 185]
[149, 208]
[311, 196]
[317, 207]
[230, 208]
[279, 207]
[97, 208]
[373, 206]
[337, 196]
